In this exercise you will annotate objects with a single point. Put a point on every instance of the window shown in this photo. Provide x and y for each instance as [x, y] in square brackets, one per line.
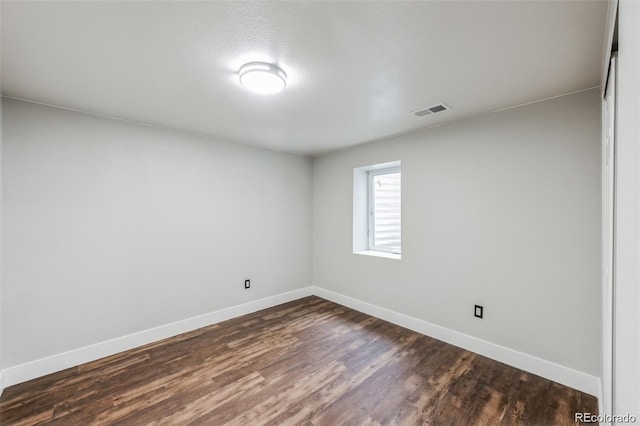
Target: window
[384, 210]
[377, 210]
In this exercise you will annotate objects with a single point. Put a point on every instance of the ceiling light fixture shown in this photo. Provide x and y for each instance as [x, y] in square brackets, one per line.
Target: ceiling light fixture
[262, 78]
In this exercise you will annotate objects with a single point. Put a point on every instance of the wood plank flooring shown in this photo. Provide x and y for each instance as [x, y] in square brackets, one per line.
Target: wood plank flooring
[308, 362]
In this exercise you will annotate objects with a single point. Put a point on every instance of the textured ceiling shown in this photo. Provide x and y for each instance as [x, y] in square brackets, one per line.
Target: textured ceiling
[356, 69]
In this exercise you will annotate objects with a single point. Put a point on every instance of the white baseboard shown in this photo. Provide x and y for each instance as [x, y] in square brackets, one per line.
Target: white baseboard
[40, 367]
[549, 370]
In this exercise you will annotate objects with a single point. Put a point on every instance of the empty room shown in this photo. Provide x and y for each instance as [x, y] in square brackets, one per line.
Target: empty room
[320, 212]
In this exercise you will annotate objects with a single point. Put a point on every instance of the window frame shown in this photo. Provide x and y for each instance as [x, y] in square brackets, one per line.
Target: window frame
[371, 174]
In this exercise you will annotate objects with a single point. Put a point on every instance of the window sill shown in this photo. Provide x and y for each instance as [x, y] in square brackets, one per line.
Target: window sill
[379, 254]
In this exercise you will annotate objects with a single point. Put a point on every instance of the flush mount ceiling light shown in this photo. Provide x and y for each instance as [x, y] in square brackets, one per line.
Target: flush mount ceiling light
[262, 78]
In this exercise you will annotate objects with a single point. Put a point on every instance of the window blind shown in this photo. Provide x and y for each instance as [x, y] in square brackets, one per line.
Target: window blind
[386, 212]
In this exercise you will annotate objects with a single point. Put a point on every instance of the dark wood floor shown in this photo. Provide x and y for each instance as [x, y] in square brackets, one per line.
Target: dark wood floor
[305, 362]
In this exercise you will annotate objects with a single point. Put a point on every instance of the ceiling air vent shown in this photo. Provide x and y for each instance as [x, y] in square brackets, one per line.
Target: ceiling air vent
[431, 110]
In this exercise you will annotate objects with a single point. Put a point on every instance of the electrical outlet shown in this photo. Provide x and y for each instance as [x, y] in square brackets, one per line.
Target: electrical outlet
[477, 311]
[247, 283]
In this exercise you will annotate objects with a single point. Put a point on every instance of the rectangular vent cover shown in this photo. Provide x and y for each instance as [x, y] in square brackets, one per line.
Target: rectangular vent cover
[431, 110]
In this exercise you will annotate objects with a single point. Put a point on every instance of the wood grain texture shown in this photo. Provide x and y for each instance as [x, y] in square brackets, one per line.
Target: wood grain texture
[307, 362]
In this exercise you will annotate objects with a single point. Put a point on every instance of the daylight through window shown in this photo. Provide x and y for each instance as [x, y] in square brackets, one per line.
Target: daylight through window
[385, 210]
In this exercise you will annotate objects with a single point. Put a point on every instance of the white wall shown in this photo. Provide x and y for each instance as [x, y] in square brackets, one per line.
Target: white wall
[111, 228]
[626, 382]
[501, 210]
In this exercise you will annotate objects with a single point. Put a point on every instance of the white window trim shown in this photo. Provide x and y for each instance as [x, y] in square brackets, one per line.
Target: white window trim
[361, 210]
[383, 254]
[371, 174]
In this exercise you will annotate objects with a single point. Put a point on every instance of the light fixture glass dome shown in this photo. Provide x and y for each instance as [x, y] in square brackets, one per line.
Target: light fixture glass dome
[262, 78]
